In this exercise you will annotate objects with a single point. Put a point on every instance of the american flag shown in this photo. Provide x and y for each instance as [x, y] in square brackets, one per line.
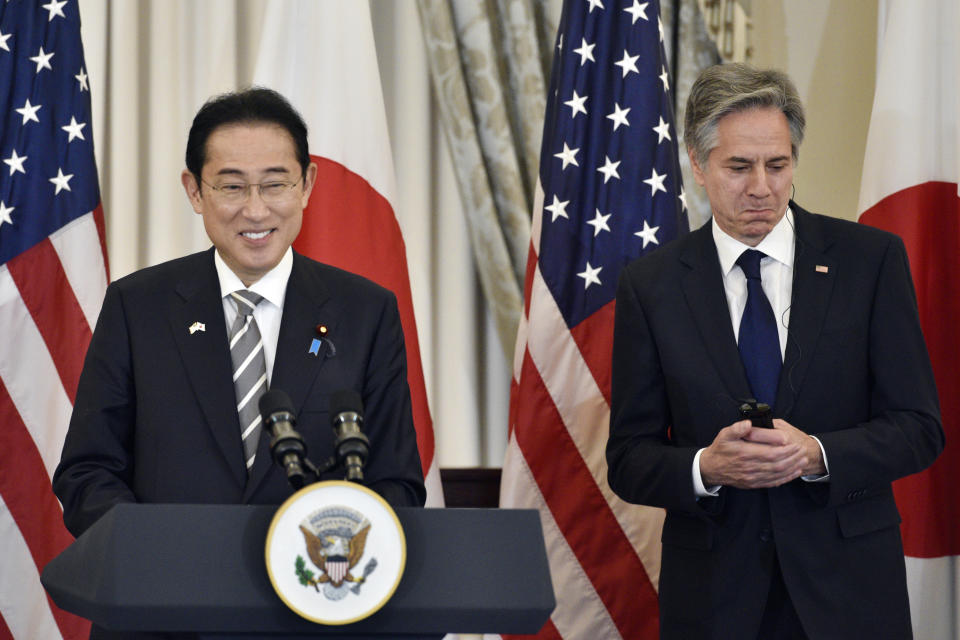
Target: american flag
[610, 190]
[53, 275]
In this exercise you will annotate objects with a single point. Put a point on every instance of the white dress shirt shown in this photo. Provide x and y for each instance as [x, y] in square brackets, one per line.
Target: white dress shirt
[273, 287]
[776, 274]
[776, 278]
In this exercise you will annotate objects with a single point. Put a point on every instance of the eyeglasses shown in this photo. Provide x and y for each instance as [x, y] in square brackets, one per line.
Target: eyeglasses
[239, 192]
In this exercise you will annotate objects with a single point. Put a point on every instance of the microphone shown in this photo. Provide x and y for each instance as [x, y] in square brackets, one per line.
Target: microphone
[350, 444]
[286, 445]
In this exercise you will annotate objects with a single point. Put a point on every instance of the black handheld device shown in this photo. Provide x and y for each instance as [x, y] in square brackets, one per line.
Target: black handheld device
[758, 413]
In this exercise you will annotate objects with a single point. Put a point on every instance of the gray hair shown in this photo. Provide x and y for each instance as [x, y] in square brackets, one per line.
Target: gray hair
[728, 88]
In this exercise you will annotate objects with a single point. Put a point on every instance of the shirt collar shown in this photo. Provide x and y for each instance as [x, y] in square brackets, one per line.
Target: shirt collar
[778, 244]
[272, 286]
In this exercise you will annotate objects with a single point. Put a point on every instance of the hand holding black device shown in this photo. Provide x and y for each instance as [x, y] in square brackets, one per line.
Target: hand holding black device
[758, 413]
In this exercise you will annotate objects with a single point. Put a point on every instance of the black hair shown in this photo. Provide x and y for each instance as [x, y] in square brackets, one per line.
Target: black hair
[256, 105]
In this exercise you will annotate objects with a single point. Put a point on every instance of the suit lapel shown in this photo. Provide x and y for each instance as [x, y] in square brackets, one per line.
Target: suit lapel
[814, 274]
[704, 293]
[306, 305]
[206, 356]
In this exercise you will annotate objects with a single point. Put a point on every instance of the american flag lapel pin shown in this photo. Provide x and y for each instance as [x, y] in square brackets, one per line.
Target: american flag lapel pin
[822, 268]
[197, 326]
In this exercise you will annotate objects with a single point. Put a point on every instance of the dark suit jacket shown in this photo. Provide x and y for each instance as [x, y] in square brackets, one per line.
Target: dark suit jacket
[155, 415]
[856, 374]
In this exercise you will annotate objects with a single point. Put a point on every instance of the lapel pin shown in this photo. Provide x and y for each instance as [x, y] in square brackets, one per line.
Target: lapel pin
[197, 326]
[315, 344]
[821, 268]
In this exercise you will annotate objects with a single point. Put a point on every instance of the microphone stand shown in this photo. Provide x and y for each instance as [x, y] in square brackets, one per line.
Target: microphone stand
[288, 449]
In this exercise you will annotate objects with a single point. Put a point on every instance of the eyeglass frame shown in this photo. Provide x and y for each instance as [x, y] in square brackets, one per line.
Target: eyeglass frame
[248, 188]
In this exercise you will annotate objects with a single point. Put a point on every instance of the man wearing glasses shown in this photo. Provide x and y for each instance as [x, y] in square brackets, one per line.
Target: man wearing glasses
[166, 407]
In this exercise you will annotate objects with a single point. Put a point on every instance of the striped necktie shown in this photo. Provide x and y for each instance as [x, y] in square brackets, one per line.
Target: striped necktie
[249, 370]
[759, 341]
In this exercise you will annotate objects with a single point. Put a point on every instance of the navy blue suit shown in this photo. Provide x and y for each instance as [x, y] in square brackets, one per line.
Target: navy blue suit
[856, 374]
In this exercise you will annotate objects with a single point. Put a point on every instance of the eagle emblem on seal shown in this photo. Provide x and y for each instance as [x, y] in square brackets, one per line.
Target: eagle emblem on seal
[335, 539]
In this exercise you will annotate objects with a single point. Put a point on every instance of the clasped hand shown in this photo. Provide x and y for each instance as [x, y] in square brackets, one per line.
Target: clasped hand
[749, 457]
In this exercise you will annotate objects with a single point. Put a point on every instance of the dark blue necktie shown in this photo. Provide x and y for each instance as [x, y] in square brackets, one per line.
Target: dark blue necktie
[758, 341]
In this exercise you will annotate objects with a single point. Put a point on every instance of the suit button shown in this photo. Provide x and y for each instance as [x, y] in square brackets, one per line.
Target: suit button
[766, 535]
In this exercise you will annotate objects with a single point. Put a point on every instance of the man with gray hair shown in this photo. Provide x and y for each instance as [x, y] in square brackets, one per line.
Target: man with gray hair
[770, 382]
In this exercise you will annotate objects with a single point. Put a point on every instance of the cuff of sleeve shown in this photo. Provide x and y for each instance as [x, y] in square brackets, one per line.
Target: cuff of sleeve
[825, 477]
[699, 489]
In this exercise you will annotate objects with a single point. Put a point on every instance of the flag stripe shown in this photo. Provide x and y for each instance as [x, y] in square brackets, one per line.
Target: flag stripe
[597, 353]
[28, 456]
[100, 224]
[37, 514]
[30, 376]
[81, 255]
[585, 413]
[26, 491]
[536, 227]
[23, 602]
[48, 295]
[549, 632]
[579, 608]
[561, 472]
[528, 282]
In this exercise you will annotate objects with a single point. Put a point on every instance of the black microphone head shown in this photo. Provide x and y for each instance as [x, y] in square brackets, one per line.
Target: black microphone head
[273, 401]
[345, 400]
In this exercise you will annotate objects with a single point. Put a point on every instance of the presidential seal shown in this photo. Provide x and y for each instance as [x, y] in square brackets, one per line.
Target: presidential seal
[336, 538]
[335, 552]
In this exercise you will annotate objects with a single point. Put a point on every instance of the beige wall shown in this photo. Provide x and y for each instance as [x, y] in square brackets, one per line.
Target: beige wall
[829, 49]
